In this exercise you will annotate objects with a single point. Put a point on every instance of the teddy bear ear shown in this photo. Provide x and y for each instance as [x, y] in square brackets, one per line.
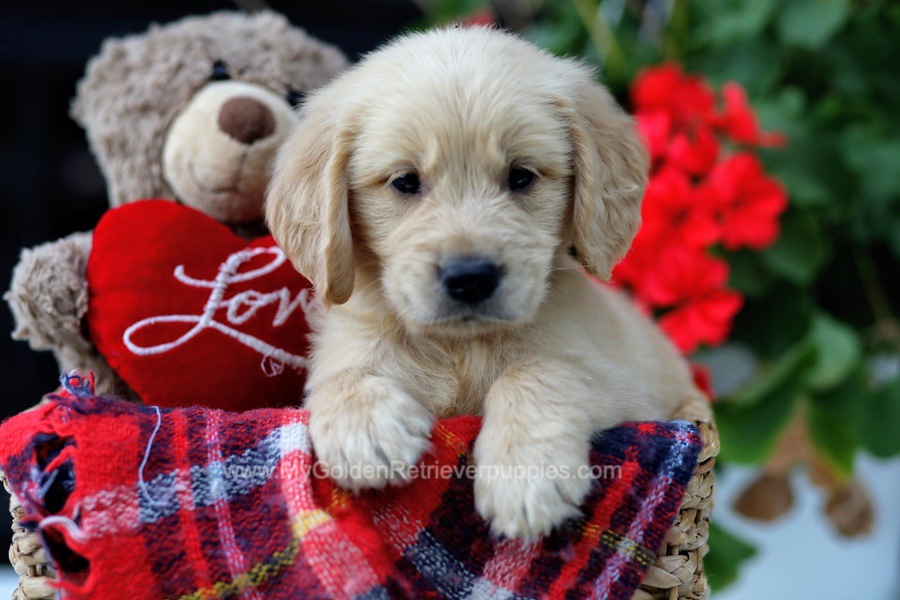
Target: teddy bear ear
[125, 116]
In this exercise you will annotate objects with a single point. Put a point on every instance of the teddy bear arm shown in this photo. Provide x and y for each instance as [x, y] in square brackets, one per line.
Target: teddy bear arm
[48, 298]
[48, 295]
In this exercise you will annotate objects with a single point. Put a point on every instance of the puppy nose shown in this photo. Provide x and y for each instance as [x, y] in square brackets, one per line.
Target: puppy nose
[469, 280]
[246, 120]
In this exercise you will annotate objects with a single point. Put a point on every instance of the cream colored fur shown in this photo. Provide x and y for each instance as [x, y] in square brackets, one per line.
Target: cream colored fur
[552, 356]
[210, 170]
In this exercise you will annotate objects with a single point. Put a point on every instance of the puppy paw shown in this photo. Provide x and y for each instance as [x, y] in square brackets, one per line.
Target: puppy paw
[526, 498]
[369, 434]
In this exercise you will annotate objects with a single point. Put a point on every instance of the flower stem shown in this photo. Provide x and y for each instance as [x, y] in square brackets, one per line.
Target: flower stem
[886, 327]
[603, 38]
[676, 29]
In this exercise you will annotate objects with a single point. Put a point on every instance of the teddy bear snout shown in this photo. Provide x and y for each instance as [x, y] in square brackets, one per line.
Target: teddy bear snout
[246, 120]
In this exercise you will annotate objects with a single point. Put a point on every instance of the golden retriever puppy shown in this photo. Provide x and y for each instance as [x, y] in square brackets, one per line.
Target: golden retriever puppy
[433, 194]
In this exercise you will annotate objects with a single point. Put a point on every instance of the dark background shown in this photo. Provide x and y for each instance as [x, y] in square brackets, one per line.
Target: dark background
[49, 183]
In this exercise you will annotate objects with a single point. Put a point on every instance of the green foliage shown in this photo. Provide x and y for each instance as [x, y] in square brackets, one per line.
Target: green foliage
[878, 426]
[820, 71]
[726, 553]
[811, 23]
[749, 425]
[729, 21]
[839, 353]
[442, 11]
[800, 251]
[833, 418]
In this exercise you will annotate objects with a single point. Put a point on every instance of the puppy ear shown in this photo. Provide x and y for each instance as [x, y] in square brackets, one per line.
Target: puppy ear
[307, 203]
[611, 165]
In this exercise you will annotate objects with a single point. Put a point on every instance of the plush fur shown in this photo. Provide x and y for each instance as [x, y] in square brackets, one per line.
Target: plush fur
[156, 124]
[552, 356]
[143, 81]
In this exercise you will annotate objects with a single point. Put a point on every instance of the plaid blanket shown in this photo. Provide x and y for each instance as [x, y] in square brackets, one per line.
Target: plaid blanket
[137, 502]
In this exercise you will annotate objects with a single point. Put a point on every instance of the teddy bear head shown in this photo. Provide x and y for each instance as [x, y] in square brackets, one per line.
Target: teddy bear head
[194, 111]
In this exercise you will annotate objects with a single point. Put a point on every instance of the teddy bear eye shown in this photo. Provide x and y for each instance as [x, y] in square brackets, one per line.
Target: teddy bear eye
[294, 98]
[219, 71]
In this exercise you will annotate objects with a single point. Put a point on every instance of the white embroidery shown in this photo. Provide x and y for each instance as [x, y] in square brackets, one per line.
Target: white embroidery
[271, 367]
[239, 309]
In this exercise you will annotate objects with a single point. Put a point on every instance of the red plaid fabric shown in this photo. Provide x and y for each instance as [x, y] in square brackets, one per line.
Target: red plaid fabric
[137, 502]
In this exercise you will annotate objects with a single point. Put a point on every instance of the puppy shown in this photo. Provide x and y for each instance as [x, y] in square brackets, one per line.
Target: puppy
[433, 194]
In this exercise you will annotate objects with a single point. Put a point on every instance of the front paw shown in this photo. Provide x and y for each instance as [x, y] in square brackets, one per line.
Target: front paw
[526, 498]
[366, 434]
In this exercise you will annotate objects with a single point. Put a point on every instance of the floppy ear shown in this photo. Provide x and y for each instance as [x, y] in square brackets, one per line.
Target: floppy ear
[307, 204]
[610, 165]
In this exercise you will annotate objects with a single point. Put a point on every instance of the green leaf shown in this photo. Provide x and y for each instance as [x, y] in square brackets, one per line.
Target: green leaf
[875, 159]
[442, 11]
[839, 352]
[749, 427]
[811, 23]
[894, 237]
[727, 553]
[783, 111]
[833, 419]
[773, 323]
[879, 429]
[560, 30]
[790, 366]
[726, 21]
[747, 273]
[812, 167]
[800, 250]
[804, 188]
[754, 63]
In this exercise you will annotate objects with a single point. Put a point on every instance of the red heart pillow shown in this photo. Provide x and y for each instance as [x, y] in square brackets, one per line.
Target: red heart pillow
[183, 309]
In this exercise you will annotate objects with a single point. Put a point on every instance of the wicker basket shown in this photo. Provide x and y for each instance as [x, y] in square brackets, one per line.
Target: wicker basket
[28, 557]
[676, 574]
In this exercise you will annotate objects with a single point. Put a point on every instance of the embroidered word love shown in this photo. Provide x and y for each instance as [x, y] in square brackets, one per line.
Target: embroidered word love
[240, 308]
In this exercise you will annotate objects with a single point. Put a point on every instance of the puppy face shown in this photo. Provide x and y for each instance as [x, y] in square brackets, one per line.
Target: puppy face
[461, 201]
[448, 170]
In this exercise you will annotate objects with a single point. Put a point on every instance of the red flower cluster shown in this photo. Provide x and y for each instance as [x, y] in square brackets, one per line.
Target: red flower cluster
[706, 187]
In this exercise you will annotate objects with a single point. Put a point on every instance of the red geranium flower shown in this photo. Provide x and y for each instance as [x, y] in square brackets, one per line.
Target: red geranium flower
[671, 214]
[739, 122]
[638, 264]
[694, 285]
[694, 152]
[696, 197]
[480, 18]
[674, 213]
[655, 128]
[706, 320]
[747, 202]
[666, 88]
[676, 112]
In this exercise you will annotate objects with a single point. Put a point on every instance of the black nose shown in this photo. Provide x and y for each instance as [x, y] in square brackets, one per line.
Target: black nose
[469, 280]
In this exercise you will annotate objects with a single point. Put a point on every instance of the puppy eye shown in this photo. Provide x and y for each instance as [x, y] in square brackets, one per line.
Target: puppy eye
[294, 98]
[520, 178]
[407, 184]
[219, 71]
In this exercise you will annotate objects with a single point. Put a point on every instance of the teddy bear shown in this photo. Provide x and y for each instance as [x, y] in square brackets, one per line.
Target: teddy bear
[190, 112]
